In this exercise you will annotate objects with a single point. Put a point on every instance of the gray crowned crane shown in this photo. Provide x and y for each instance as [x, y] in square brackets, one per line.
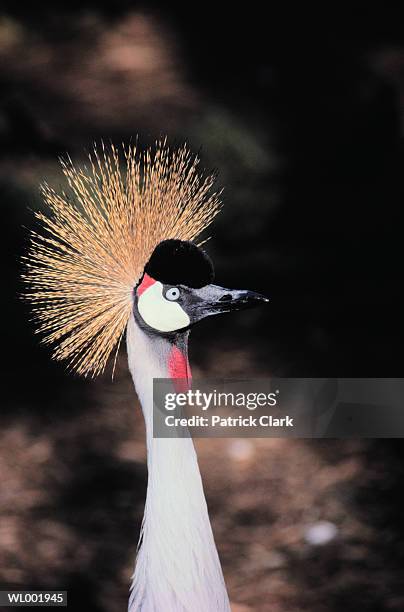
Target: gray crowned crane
[115, 255]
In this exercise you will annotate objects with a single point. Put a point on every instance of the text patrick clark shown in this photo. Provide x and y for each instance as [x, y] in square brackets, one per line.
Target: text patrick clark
[214, 420]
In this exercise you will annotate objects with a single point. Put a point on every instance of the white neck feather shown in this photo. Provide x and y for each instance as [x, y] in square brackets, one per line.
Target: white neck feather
[177, 567]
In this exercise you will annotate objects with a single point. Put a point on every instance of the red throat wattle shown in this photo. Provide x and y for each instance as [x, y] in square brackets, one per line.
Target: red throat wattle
[179, 370]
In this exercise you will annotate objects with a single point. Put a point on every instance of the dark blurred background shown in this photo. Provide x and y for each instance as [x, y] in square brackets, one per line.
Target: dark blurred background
[301, 112]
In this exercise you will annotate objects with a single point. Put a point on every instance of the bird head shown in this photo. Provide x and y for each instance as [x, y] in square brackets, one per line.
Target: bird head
[104, 252]
[176, 290]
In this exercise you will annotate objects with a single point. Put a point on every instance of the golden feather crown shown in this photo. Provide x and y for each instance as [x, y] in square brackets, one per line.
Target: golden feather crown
[93, 243]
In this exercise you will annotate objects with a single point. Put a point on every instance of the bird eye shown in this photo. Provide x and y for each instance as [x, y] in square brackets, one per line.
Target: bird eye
[173, 294]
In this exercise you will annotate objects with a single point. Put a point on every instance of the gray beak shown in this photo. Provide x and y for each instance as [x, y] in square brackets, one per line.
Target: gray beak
[212, 300]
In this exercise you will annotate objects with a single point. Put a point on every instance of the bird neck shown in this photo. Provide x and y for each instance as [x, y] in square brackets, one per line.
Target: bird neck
[177, 567]
[152, 356]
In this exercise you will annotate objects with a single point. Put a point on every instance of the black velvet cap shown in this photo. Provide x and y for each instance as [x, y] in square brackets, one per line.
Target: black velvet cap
[180, 262]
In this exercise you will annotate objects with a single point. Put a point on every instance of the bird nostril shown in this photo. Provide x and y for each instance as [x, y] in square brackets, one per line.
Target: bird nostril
[226, 298]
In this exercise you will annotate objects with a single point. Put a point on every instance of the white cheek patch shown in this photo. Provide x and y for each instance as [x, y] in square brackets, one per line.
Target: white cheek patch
[159, 313]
